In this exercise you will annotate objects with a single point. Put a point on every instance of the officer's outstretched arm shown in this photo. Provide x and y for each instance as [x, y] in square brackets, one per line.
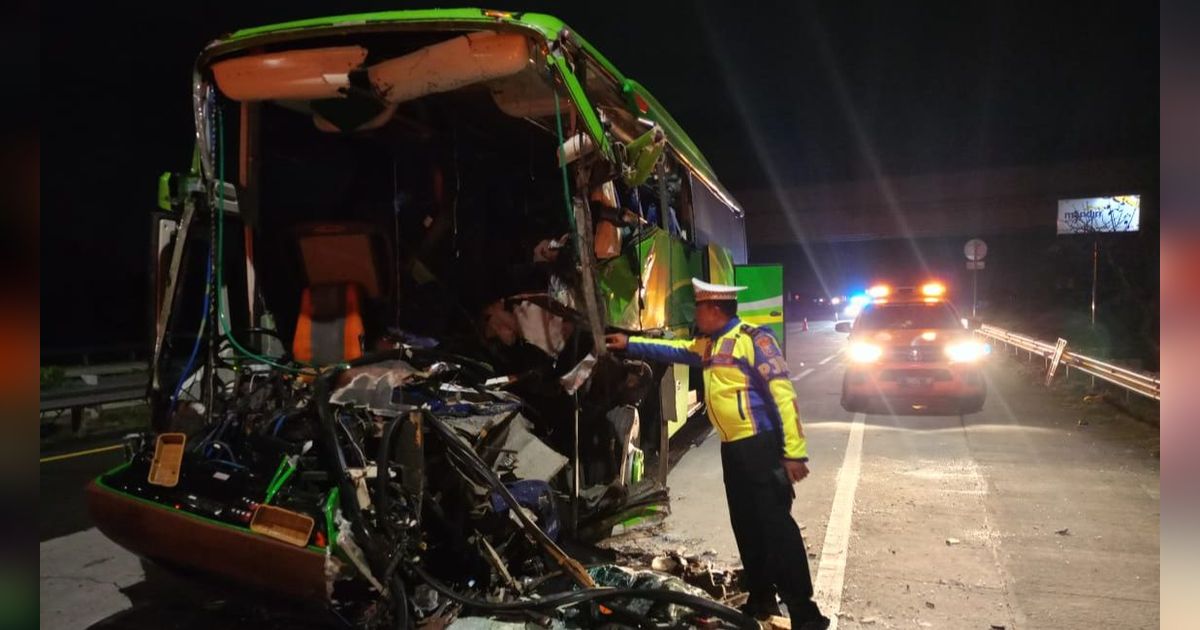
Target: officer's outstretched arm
[794, 444]
[687, 351]
[769, 362]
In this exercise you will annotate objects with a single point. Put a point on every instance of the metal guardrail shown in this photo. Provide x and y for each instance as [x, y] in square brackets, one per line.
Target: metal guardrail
[109, 384]
[90, 397]
[1149, 385]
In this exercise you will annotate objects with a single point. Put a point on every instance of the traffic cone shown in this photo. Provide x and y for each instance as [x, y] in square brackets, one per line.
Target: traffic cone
[804, 325]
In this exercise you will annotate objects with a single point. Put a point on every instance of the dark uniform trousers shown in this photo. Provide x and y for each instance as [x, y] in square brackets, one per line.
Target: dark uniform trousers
[760, 499]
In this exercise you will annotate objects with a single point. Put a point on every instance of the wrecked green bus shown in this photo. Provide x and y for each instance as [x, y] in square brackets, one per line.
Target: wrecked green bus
[379, 380]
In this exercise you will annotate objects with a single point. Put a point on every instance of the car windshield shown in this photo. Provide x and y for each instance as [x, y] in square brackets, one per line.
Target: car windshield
[904, 316]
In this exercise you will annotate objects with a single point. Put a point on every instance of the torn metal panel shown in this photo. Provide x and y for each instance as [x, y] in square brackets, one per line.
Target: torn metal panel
[475, 426]
[626, 428]
[450, 65]
[569, 565]
[642, 155]
[526, 95]
[374, 387]
[524, 454]
[540, 327]
[579, 375]
[649, 286]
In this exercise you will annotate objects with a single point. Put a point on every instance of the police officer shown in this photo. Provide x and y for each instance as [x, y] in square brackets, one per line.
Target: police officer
[752, 404]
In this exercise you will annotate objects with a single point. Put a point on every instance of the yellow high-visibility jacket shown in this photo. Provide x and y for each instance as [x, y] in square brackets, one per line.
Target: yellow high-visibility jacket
[746, 385]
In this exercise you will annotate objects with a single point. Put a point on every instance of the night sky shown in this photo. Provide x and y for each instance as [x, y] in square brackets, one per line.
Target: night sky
[822, 92]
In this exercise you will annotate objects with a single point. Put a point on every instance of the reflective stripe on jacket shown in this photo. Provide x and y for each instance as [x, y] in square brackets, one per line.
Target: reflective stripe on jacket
[746, 384]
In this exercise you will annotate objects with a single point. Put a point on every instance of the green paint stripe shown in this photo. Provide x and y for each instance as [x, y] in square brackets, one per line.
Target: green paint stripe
[543, 24]
[763, 321]
[762, 312]
[775, 302]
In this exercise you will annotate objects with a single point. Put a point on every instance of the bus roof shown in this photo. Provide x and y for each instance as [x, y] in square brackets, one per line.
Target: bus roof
[541, 27]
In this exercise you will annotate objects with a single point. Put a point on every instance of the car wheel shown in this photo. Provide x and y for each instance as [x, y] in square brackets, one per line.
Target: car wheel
[853, 404]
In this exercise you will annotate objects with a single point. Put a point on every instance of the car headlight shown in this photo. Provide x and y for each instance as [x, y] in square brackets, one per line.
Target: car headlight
[966, 351]
[861, 352]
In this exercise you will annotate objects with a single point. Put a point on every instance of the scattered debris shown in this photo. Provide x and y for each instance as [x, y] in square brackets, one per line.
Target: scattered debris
[997, 626]
[867, 621]
[719, 582]
[665, 564]
[1066, 531]
[1082, 422]
[930, 605]
[952, 541]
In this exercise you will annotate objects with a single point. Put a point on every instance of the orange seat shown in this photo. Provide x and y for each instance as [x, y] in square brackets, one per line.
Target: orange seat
[330, 326]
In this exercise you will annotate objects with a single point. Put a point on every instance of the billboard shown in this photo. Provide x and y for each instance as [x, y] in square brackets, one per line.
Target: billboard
[1099, 214]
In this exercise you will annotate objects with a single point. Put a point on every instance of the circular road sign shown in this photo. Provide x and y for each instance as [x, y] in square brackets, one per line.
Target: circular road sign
[975, 250]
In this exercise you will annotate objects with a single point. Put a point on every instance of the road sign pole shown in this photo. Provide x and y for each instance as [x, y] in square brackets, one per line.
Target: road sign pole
[974, 290]
[975, 251]
[1095, 266]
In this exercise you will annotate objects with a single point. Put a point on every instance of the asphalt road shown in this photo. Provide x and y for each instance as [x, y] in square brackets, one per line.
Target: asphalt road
[1039, 512]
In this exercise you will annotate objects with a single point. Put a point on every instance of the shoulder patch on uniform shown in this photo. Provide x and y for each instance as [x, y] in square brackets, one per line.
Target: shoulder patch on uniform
[758, 331]
[766, 343]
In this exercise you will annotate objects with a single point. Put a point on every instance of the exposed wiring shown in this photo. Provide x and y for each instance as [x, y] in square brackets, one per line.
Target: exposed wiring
[284, 472]
[278, 423]
[219, 217]
[362, 456]
[574, 598]
[214, 433]
[191, 362]
[222, 448]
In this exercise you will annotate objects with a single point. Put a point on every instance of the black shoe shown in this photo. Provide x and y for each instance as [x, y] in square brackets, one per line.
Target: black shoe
[820, 623]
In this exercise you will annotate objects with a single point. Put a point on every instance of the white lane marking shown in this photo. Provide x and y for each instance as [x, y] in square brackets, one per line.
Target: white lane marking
[802, 374]
[829, 358]
[831, 573]
[81, 579]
